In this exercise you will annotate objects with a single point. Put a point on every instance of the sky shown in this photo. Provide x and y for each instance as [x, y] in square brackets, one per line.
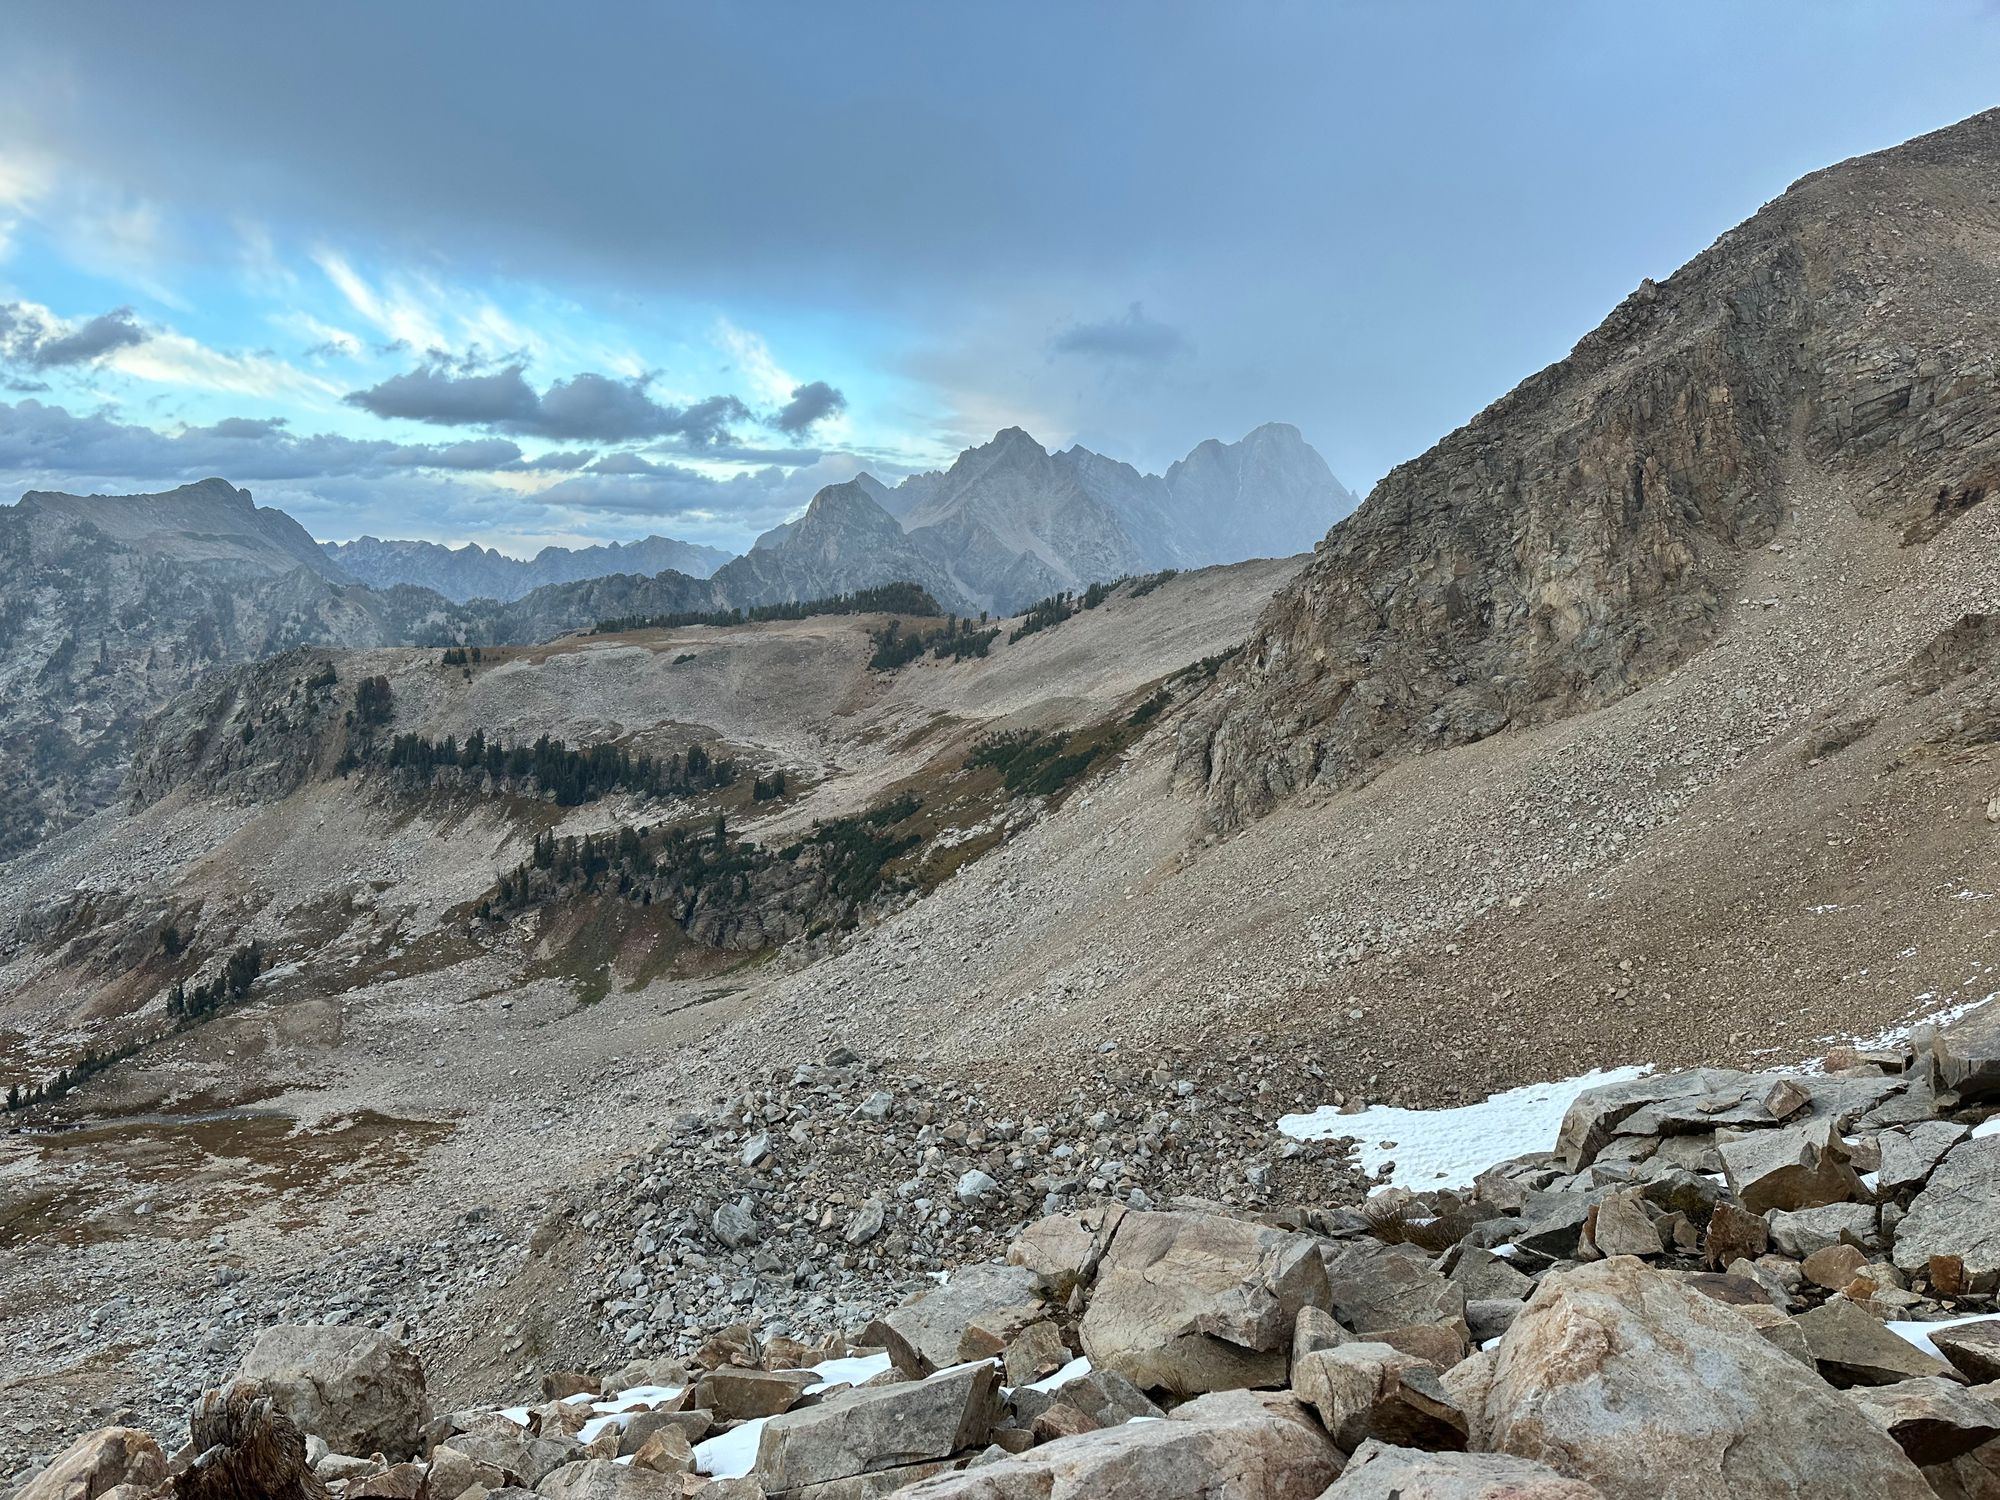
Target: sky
[522, 274]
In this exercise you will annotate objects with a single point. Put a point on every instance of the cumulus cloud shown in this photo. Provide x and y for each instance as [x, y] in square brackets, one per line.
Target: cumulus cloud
[1135, 337]
[34, 337]
[810, 404]
[584, 408]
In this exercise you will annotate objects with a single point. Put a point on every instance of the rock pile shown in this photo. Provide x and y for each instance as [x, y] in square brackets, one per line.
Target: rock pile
[1717, 1283]
[833, 1188]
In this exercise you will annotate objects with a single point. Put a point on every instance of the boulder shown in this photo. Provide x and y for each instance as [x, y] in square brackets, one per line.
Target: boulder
[1629, 1379]
[1834, 1267]
[406, 1481]
[1192, 1302]
[358, 1389]
[523, 1460]
[1064, 1249]
[665, 1450]
[1234, 1445]
[1957, 1214]
[1932, 1419]
[1034, 1353]
[1372, 1286]
[1620, 1225]
[1965, 1058]
[1853, 1347]
[1799, 1234]
[99, 1461]
[1793, 1166]
[1909, 1156]
[1482, 1275]
[872, 1428]
[1379, 1471]
[1972, 1348]
[1734, 1234]
[605, 1479]
[1365, 1390]
[934, 1324]
[1595, 1114]
[735, 1394]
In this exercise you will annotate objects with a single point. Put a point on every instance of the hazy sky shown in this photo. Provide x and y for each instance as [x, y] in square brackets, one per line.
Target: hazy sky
[519, 273]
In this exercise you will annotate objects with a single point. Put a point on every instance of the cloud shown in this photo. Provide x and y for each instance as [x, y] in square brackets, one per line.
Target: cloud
[809, 404]
[1134, 337]
[584, 408]
[34, 337]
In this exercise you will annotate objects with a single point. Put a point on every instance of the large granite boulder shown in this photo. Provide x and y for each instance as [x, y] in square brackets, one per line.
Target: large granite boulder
[932, 1326]
[1235, 1445]
[1957, 1214]
[873, 1428]
[111, 1458]
[356, 1389]
[1631, 1380]
[1932, 1419]
[1193, 1302]
[1965, 1058]
[1380, 1471]
[1792, 1167]
[602, 1479]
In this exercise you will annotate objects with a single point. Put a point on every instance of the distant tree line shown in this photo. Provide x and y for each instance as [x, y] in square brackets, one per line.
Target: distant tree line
[185, 1006]
[887, 599]
[1046, 614]
[460, 656]
[571, 777]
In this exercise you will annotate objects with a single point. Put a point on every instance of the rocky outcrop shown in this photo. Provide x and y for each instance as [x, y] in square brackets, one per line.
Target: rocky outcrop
[112, 1463]
[1582, 535]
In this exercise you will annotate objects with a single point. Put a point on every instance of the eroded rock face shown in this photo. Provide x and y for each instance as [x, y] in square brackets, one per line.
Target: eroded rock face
[1190, 1302]
[1624, 1377]
[1579, 537]
[357, 1389]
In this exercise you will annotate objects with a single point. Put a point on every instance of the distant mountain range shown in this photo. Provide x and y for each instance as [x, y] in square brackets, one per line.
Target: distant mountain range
[475, 572]
[110, 604]
[1010, 522]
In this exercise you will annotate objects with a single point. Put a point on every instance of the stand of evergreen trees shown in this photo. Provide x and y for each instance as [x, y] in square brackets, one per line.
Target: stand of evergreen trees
[239, 972]
[572, 777]
[185, 1006]
[955, 640]
[888, 599]
[1046, 614]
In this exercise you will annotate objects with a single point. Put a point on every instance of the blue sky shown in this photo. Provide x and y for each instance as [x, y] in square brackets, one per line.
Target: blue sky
[521, 274]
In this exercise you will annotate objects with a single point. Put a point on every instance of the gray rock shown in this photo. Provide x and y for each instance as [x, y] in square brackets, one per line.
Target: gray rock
[1802, 1232]
[1965, 1057]
[1236, 1445]
[1595, 1115]
[1372, 1287]
[1365, 1390]
[1634, 1382]
[1482, 1275]
[524, 1460]
[601, 1479]
[935, 1323]
[879, 1427]
[735, 1224]
[359, 1390]
[1957, 1213]
[1192, 1302]
[1932, 1419]
[97, 1462]
[1381, 1471]
[975, 1185]
[866, 1223]
[1908, 1157]
[1853, 1347]
[1791, 1167]
[1972, 1348]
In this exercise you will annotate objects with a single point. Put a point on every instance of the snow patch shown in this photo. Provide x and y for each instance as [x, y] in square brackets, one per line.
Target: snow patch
[1439, 1148]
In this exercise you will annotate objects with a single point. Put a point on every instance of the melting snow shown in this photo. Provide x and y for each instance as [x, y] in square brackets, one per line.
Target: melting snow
[1985, 1128]
[1920, 1333]
[1432, 1148]
[1941, 1017]
[731, 1455]
[1076, 1369]
[848, 1371]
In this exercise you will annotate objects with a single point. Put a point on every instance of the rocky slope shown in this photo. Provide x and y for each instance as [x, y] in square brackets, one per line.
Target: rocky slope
[1582, 536]
[475, 572]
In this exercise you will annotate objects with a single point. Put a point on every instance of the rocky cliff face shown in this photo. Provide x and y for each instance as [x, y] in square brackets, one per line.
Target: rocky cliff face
[475, 572]
[844, 541]
[1581, 536]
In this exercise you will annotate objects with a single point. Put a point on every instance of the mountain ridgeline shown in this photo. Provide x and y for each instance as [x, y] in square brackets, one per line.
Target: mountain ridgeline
[112, 604]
